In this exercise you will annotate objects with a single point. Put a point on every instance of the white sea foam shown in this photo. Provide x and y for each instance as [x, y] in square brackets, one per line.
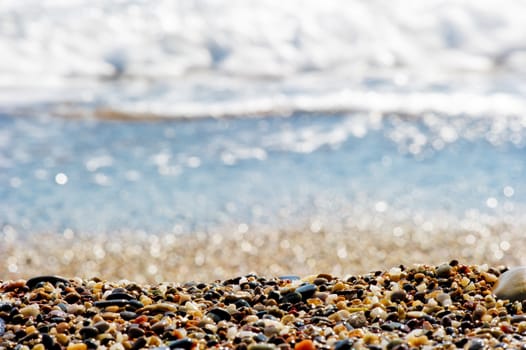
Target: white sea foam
[201, 58]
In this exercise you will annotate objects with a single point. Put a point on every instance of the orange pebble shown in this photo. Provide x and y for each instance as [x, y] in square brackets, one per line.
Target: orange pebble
[78, 346]
[305, 345]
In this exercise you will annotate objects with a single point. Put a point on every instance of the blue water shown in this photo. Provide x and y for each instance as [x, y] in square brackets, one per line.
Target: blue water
[91, 175]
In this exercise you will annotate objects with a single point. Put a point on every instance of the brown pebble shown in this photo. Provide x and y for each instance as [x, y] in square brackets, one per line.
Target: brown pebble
[398, 296]
[62, 327]
[357, 320]
[160, 307]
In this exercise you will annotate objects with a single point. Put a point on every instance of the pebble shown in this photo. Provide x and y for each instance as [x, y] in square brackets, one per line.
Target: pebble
[476, 344]
[128, 315]
[417, 341]
[306, 290]
[512, 284]
[415, 314]
[139, 344]
[118, 302]
[33, 282]
[358, 320]
[184, 343]
[88, 332]
[443, 271]
[398, 296]
[444, 299]
[450, 305]
[102, 326]
[135, 332]
[160, 307]
[30, 311]
[345, 344]
[305, 344]
[219, 314]
[292, 298]
[378, 312]
[119, 295]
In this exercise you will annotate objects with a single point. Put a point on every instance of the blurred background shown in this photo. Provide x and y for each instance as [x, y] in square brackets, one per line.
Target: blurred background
[234, 136]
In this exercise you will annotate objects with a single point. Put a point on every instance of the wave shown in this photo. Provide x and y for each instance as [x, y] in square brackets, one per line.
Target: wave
[131, 58]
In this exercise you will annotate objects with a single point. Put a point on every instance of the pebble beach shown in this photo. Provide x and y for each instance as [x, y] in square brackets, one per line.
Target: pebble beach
[446, 306]
[197, 292]
[262, 175]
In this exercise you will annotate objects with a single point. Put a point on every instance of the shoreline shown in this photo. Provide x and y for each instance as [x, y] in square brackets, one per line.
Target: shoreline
[446, 306]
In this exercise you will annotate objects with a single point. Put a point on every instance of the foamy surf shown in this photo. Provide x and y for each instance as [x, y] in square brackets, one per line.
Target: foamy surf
[187, 59]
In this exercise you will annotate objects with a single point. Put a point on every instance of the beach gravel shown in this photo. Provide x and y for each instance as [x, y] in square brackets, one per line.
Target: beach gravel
[445, 306]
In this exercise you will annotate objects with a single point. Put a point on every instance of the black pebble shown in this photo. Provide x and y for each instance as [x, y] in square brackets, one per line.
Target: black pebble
[47, 341]
[345, 344]
[2, 326]
[274, 295]
[128, 315]
[374, 347]
[450, 330]
[241, 303]
[135, 332]
[44, 328]
[446, 321]
[306, 290]
[211, 295]
[184, 343]
[33, 282]
[460, 343]
[6, 307]
[118, 302]
[217, 314]
[90, 344]
[119, 295]
[72, 298]
[139, 343]
[293, 298]
[88, 332]
[102, 326]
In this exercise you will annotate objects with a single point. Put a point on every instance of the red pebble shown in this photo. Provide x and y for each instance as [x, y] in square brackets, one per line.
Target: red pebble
[305, 345]
[506, 328]
[140, 319]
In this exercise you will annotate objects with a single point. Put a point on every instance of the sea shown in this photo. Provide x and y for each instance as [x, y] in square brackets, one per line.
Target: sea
[185, 116]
